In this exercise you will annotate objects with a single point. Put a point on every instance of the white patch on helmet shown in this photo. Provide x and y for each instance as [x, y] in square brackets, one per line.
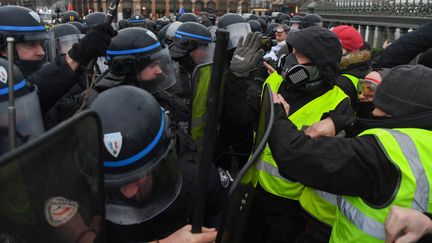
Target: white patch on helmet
[3, 75]
[152, 35]
[113, 143]
[35, 16]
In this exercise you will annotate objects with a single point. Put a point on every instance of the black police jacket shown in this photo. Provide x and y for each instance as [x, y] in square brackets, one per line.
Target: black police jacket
[406, 48]
[179, 213]
[78, 98]
[53, 80]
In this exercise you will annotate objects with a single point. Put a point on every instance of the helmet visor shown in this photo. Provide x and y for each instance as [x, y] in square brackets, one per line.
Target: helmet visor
[47, 41]
[206, 54]
[64, 43]
[236, 31]
[155, 72]
[146, 197]
[28, 114]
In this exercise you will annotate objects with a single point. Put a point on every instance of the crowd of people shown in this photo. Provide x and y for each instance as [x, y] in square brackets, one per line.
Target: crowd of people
[348, 158]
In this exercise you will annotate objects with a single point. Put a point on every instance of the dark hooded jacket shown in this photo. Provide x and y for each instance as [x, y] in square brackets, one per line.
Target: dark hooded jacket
[406, 48]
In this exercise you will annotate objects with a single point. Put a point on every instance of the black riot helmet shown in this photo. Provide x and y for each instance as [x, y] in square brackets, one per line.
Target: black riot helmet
[263, 23]
[282, 16]
[70, 16]
[236, 26]
[93, 19]
[65, 35]
[271, 29]
[189, 36]
[312, 20]
[123, 23]
[151, 25]
[136, 21]
[188, 17]
[162, 33]
[133, 50]
[27, 109]
[25, 25]
[255, 26]
[79, 25]
[139, 152]
[296, 22]
[160, 23]
[249, 16]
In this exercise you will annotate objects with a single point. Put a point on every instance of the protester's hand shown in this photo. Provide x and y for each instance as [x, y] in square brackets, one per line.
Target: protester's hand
[269, 67]
[247, 54]
[386, 44]
[406, 225]
[278, 99]
[94, 44]
[184, 235]
[324, 127]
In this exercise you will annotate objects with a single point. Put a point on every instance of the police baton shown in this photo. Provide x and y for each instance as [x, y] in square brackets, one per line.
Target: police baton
[11, 107]
[112, 9]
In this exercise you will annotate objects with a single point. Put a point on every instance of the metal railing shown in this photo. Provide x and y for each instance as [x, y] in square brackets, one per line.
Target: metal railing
[377, 20]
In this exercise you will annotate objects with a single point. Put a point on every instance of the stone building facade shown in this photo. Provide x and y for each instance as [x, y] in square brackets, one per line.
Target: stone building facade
[159, 8]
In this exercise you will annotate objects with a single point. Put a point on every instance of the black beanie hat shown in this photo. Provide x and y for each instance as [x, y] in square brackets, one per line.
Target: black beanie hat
[406, 89]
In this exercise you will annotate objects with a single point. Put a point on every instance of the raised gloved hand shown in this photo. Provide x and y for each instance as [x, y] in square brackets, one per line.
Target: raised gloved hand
[94, 44]
[247, 55]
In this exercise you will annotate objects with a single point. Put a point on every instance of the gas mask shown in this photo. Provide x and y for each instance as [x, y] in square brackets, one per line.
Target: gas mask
[298, 75]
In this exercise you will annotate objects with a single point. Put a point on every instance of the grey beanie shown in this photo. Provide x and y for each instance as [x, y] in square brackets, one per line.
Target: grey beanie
[406, 89]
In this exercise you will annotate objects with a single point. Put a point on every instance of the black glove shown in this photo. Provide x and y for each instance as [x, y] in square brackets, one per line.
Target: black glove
[94, 44]
[247, 54]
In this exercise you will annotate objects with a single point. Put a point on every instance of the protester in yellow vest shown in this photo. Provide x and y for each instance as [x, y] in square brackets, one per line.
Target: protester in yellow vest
[316, 51]
[386, 165]
[355, 62]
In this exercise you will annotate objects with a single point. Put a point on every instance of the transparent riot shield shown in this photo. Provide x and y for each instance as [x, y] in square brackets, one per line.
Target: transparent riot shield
[242, 191]
[200, 83]
[51, 189]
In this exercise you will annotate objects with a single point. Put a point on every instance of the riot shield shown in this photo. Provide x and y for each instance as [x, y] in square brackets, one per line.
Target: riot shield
[51, 189]
[242, 191]
[213, 107]
[200, 84]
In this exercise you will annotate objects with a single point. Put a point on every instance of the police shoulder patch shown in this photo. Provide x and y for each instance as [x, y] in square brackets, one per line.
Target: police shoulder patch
[59, 210]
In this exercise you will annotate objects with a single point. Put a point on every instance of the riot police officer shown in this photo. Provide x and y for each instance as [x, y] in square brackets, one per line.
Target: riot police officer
[27, 109]
[70, 16]
[65, 36]
[32, 51]
[149, 168]
[312, 20]
[191, 47]
[136, 21]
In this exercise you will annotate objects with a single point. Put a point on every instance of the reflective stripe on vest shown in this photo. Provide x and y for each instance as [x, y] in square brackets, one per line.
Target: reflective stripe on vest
[270, 169]
[269, 177]
[199, 105]
[409, 150]
[354, 79]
